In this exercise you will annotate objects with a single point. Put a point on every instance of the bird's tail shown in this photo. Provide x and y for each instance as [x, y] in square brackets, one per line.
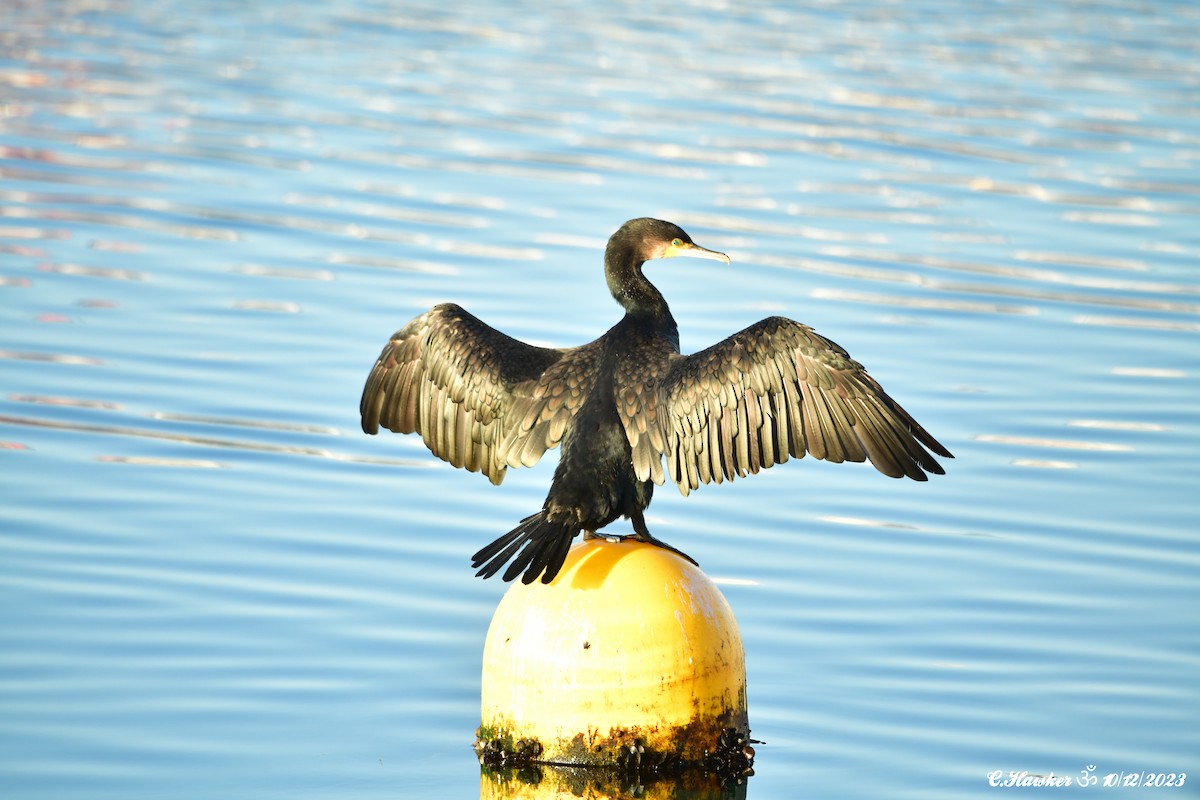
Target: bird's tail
[545, 544]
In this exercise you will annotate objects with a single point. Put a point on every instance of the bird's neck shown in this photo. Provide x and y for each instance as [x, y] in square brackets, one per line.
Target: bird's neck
[630, 288]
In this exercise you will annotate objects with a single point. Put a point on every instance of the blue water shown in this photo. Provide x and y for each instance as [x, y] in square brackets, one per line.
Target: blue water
[213, 214]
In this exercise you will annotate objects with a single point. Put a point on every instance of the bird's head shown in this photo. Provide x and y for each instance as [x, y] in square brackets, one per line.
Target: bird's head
[646, 238]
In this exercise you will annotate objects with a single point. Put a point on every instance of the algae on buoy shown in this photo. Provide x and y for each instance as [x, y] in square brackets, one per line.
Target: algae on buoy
[629, 658]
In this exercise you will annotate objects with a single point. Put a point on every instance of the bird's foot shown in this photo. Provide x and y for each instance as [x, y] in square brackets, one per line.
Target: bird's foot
[648, 539]
[590, 536]
[641, 536]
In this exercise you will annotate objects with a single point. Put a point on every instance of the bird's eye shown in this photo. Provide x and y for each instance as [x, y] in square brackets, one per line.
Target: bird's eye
[677, 242]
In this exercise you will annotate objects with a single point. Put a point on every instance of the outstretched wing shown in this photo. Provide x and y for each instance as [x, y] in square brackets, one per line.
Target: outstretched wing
[480, 399]
[774, 390]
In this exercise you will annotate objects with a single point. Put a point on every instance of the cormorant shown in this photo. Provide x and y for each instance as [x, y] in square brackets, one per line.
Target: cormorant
[484, 401]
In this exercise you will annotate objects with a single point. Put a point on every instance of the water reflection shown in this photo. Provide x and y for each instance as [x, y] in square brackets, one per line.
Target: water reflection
[1149, 372]
[264, 271]
[1062, 444]
[57, 358]
[1147, 324]
[547, 782]
[205, 441]
[190, 463]
[73, 402]
[214, 587]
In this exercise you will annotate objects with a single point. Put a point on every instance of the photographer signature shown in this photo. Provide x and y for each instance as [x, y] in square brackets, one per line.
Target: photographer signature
[1023, 779]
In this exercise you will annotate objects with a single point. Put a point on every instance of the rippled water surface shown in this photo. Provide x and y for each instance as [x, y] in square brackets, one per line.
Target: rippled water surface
[212, 214]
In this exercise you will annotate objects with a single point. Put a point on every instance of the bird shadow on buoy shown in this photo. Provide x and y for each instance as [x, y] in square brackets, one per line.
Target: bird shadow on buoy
[597, 564]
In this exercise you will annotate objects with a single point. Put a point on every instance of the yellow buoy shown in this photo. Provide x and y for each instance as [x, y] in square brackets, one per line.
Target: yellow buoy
[629, 658]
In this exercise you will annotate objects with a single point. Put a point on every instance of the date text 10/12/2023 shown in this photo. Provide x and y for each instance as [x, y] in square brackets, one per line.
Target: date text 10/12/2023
[1023, 779]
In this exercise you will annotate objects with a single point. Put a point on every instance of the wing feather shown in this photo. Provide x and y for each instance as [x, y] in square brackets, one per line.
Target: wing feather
[743, 461]
[772, 391]
[480, 399]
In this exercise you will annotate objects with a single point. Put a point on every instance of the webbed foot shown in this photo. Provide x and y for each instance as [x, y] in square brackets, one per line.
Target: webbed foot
[644, 536]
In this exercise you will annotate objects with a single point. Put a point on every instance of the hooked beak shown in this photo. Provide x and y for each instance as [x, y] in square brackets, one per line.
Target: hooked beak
[696, 251]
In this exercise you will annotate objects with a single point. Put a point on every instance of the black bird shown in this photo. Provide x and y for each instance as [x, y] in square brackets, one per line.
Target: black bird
[485, 402]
